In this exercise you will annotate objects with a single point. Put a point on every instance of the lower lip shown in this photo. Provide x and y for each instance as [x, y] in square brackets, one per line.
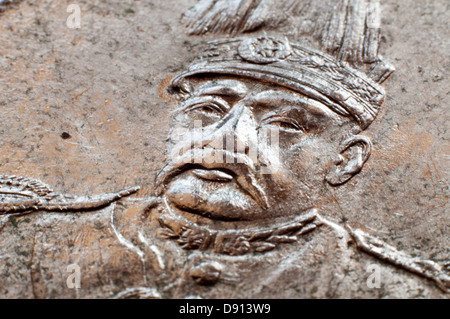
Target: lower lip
[212, 175]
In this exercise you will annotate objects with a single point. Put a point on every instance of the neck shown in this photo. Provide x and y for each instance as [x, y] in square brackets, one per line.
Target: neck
[216, 236]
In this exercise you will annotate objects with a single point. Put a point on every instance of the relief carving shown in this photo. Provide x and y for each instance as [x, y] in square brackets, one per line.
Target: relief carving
[263, 126]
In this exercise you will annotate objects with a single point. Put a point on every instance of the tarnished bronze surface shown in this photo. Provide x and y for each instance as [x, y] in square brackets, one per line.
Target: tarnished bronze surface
[224, 149]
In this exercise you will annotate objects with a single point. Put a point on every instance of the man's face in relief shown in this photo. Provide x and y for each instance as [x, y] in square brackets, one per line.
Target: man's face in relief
[241, 149]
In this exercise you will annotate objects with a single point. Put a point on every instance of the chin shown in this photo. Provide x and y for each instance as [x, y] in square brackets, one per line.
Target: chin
[216, 201]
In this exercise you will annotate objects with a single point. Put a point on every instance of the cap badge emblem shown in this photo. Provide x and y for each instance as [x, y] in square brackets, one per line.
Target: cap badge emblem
[264, 50]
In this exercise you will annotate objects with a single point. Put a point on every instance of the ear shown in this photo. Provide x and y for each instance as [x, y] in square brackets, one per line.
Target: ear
[353, 154]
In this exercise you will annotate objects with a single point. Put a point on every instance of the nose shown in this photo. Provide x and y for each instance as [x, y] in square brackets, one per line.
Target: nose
[237, 132]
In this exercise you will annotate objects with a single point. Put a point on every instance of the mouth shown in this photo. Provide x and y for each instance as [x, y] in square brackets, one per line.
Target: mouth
[198, 162]
[212, 175]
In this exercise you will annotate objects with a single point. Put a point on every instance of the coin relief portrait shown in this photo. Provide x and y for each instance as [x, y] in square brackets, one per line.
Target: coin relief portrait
[224, 149]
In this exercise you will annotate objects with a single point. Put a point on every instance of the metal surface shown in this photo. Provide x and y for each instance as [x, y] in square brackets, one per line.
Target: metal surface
[298, 164]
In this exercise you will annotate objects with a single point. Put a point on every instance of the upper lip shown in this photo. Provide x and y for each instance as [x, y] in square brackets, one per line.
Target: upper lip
[241, 169]
[213, 175]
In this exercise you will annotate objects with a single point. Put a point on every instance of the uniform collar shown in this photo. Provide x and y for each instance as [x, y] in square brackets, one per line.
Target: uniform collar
[190, 236]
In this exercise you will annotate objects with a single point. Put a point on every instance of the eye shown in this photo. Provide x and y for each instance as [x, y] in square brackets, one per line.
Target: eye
[206, 108]
[284, 123]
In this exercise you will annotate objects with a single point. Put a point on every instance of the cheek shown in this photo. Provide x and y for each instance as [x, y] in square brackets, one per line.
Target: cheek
[306, 161]
[179, 135]
[299, 184]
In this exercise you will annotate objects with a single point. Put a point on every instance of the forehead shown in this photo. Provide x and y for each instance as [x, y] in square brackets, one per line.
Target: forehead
[260, 94]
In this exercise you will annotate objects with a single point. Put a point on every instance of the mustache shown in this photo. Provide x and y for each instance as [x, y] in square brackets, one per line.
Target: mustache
[240, 165]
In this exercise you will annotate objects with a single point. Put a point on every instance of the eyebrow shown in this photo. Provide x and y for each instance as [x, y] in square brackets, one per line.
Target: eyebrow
[231, 89]
[270, 98]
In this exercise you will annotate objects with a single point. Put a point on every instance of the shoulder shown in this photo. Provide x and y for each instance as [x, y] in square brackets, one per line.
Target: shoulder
[376, 269]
